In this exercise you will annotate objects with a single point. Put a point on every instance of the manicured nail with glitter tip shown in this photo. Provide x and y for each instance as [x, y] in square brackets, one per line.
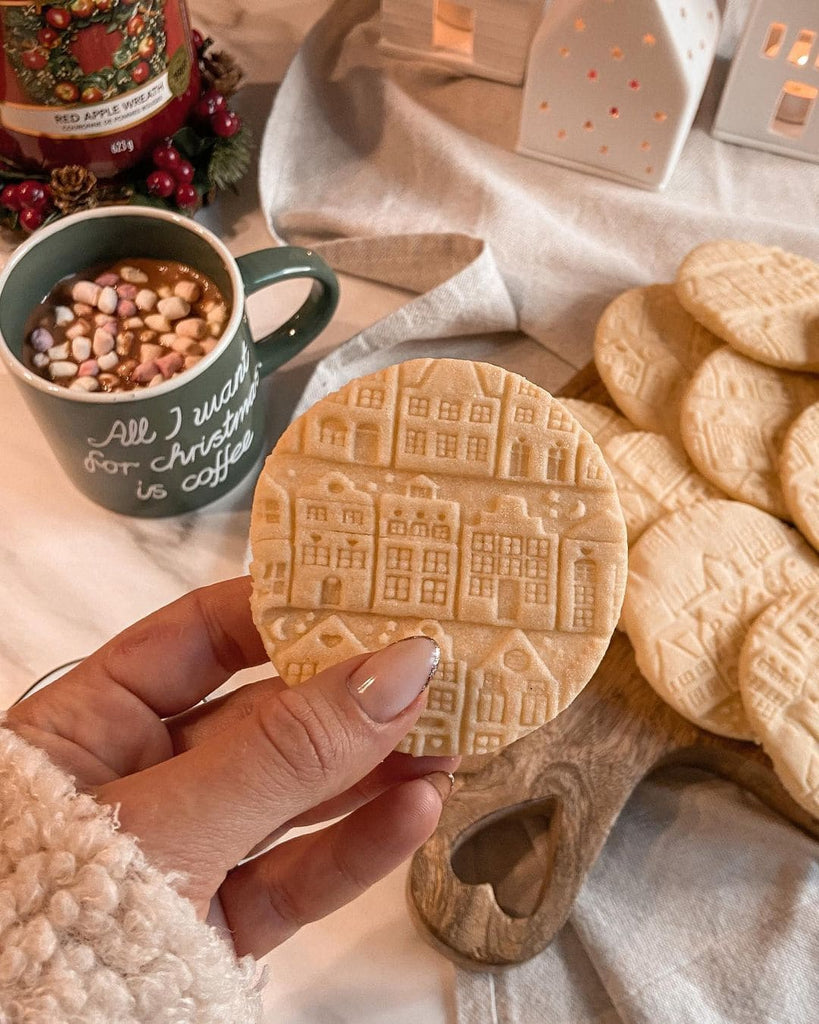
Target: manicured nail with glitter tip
[391, 679]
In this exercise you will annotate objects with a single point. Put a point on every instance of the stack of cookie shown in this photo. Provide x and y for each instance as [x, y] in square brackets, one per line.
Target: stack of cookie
[717, 376]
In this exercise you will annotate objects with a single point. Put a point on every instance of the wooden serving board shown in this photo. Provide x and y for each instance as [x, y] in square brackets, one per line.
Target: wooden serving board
[495, 883]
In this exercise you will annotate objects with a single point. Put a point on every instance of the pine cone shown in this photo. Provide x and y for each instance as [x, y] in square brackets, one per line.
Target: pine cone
[221, 72]
[73, 188]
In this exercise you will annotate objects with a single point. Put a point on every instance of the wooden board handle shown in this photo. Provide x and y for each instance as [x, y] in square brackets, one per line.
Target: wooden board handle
[516, 840]
[497, 880]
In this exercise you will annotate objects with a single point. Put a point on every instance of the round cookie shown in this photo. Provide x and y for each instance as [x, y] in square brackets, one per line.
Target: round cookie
[697, 579]
[452, 499]
[799, 472]
[780, 690]
[734, 416]
[646, 347]
[653, 476]
[762, 300]
[600, 421]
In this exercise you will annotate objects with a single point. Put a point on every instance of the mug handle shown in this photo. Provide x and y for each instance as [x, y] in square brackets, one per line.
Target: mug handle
[267, 266]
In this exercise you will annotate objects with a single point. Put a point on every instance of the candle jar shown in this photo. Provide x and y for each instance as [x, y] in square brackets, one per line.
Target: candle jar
[93, 82]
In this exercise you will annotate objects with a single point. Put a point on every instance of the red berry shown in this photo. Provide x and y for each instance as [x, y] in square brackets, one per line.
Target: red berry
[10, 197]
[30, 219]
[32, 195]
[225, 123]
[208, 103]
[166, 157]
[160, 183]
[184, 172]
[198, 40]
[186, 197]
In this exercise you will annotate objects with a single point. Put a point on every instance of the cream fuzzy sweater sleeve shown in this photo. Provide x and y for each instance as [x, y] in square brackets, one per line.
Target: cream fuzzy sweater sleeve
[90, 933]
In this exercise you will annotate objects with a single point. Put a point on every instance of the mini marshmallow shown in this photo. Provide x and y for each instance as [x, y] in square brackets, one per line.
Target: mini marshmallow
[133, 275]
[57, 352]
[84, 384]
[86, 292]
[146, 299]
[107, 301]
[173, 308]
[108, 361]
[62, 368]
[187, 290]
[81, 348]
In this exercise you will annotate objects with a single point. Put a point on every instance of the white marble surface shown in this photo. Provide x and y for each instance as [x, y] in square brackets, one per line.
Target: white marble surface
[74, 574]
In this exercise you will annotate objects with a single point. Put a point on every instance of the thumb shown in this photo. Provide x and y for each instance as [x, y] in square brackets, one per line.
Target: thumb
[201, 811]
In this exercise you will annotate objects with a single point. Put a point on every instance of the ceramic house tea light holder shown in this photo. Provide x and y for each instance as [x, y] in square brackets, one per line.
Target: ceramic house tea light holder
[612, 86]
[771, 98]
[485, 38]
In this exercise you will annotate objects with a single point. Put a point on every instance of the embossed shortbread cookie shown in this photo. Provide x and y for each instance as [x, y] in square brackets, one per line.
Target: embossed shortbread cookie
[780, 690]
[653, 476]
[697, 579]
[763, 301]
[452, 499]
[733, 419]
[645, 349]
[600, 421]
[799, 472]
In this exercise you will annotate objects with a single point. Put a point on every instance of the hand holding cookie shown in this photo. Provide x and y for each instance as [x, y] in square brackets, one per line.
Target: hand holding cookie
[201, 785]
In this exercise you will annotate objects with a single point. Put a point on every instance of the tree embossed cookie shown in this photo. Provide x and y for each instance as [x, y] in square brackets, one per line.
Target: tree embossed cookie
[453, 499]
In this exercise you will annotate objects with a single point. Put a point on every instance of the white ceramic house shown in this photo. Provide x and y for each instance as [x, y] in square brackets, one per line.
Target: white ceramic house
[487, 38]
[771, 98]
[612, 87]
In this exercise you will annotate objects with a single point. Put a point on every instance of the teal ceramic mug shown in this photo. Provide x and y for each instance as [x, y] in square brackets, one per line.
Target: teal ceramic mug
[171, 448]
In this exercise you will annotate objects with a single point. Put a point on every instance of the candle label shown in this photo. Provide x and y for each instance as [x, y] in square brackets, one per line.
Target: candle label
[92, 66]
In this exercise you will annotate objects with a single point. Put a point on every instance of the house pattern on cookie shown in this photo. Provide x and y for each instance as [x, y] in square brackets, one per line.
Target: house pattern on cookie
[453, 419]
[501, 567]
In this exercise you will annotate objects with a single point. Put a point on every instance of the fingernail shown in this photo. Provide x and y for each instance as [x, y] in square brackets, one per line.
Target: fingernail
[391, 679]
[443, 783]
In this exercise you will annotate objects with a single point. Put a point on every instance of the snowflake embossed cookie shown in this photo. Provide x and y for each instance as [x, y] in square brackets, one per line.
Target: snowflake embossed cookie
[453, 499]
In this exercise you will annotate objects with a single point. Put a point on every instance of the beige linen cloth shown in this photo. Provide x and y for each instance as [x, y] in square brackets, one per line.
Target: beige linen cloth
[703, 907]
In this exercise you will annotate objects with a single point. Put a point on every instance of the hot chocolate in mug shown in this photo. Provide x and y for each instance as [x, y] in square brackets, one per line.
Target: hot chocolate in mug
[173, 447]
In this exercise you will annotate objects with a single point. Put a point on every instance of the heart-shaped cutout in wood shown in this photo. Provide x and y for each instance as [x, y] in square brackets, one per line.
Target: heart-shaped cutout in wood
[513, 852]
